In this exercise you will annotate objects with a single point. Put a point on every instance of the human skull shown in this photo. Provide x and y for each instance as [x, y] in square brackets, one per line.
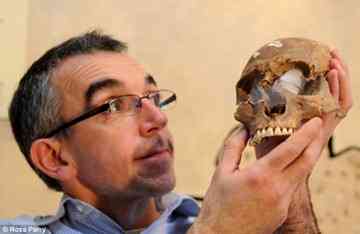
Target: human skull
[283, 85]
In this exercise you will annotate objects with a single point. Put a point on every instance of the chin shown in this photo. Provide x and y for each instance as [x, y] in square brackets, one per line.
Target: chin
[163, 185]
[154, 186]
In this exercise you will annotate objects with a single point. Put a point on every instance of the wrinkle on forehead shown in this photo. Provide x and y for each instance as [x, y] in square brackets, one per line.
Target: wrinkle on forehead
[89, 66]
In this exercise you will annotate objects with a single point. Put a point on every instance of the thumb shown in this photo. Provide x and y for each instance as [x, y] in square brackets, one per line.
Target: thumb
[232, 150]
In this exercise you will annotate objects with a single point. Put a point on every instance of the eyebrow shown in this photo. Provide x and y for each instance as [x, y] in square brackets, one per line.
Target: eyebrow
[109, 83]
[100, 85]
[149, 79]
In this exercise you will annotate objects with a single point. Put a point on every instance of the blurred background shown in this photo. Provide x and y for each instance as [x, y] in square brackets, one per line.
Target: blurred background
[197, 48]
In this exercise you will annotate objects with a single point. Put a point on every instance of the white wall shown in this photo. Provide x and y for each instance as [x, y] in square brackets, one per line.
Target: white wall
[13, 28]
[198, 48]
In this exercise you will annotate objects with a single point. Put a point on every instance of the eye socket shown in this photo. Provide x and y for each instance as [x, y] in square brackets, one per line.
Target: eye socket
[292, 81]
[313, 86]
[257, 95]
[246, 84]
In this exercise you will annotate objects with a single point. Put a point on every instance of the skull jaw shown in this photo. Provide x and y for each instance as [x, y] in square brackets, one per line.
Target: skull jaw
[261, 126]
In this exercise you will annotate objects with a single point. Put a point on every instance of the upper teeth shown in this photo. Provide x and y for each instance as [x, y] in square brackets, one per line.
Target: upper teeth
[268, 132]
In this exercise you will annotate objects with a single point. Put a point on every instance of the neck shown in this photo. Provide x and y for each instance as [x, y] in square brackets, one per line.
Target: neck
[129, 213]
[134, 214]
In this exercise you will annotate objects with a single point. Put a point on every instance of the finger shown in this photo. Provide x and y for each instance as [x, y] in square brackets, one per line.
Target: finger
[330, 121]
[220, 152]
[336, 55]
[336, 64]
[285, 153]
[297, 171]
[332, 78]
[345, 94]
[232, 150]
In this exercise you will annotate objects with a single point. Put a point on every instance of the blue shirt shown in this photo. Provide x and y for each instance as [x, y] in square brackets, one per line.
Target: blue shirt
[77, 217]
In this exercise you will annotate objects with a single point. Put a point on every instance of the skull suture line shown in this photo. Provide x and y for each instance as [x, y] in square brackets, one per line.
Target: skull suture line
[283, 85]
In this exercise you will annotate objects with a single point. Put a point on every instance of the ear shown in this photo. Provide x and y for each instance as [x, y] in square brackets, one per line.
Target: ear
[46, 155]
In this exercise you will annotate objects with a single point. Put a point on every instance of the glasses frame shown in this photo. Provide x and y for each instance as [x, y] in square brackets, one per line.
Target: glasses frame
[110, 107]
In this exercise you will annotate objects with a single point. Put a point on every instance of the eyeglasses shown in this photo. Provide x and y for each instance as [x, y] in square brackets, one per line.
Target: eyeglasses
[123, 105]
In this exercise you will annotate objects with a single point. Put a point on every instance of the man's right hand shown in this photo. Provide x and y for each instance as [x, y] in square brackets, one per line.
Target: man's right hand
[255, 199]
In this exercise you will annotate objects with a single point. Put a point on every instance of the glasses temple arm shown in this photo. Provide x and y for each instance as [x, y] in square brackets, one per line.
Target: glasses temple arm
[86, 115]
[168, 100]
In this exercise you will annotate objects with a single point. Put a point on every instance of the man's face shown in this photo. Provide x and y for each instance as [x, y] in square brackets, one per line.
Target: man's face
[112, 154]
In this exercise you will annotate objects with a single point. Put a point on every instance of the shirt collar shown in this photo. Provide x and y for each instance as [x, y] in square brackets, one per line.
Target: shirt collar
[81, 215]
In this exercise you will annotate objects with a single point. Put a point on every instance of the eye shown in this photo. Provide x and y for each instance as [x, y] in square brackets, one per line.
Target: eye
[121, 104]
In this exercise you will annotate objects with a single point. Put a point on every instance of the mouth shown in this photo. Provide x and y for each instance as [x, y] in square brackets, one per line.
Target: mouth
[156, 154]
[268, 132]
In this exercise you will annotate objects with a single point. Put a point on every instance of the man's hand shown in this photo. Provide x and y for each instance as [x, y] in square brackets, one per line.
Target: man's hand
[340, 88]
[255, 199]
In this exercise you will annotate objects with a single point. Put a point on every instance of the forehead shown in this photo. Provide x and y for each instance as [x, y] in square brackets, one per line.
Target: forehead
[80, 71]
[77, 75]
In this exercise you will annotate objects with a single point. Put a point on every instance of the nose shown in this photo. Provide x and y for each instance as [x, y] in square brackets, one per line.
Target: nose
[276, 110]
[152, 119]
[276, 104]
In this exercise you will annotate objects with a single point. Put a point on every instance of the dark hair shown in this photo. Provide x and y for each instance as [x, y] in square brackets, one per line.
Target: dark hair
[35, 107]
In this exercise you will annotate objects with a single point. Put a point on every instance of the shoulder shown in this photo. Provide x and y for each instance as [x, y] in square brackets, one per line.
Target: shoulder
[26, 224]
[19, 220]
[27, 220]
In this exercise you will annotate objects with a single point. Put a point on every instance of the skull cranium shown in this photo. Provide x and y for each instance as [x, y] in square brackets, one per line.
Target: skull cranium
[283, 85]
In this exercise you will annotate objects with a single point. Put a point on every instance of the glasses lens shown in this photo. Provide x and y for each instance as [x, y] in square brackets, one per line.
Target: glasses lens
[130, 104]
[164, 99]
[125, 104]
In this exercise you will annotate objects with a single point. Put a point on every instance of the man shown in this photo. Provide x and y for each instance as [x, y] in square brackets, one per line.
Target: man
[90, 122]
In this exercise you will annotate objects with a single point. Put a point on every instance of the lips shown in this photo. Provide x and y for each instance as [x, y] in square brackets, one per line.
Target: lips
[158, 148]
[155, 153]
[155, 163]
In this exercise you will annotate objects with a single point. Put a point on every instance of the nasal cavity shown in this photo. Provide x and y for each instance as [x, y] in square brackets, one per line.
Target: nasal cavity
[275, 110]
[276, 105]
